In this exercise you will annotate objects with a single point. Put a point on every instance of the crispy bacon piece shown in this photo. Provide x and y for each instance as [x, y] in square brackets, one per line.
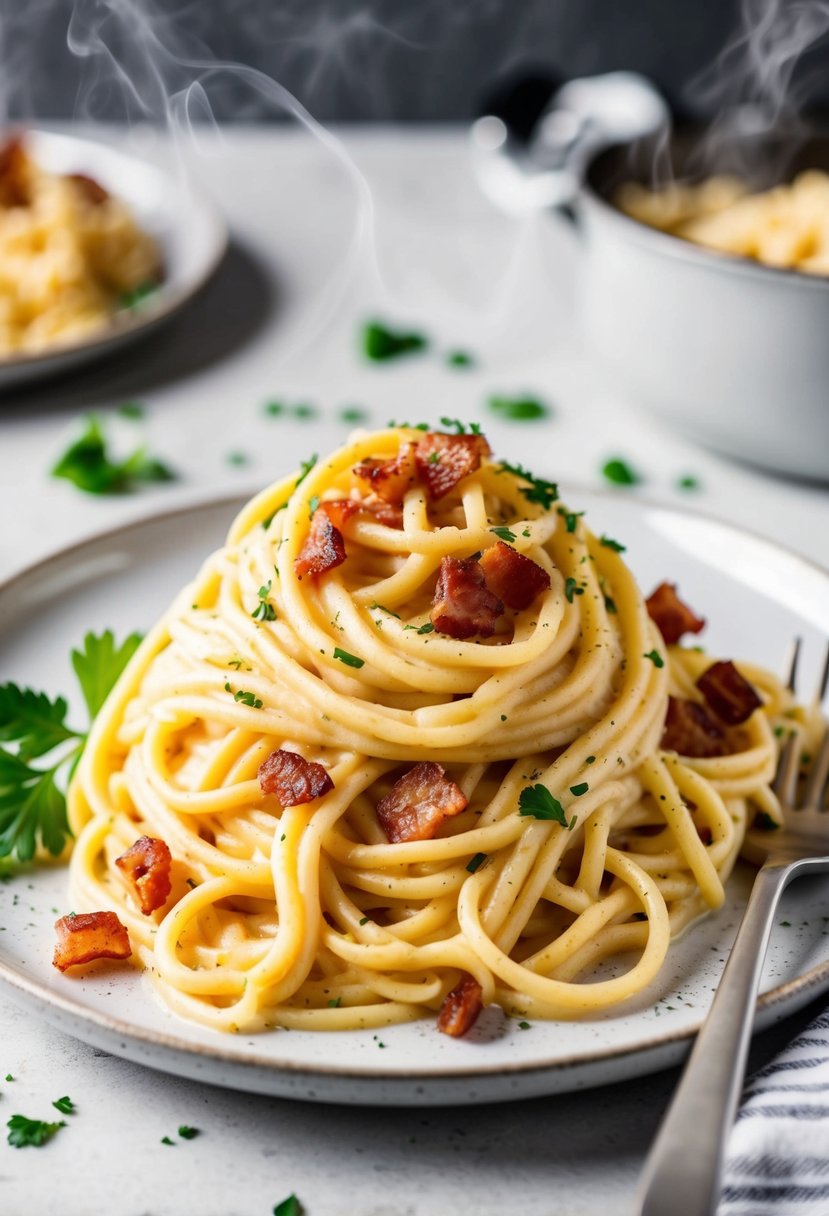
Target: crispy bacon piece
[444, 460]
[671, 616]
[340, 510]
[389, 479]
[88, 936]
[145, 868]
[324, 546]
[690, 731]
[728, 693]
[292, 778]
[386, 513]
[463, 606]
[14, 177]
[418, 802]
[91, 189]
[515, 579]
[460, 1008]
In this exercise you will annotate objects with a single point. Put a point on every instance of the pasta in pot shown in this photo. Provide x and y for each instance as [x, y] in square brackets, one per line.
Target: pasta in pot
[364, 806]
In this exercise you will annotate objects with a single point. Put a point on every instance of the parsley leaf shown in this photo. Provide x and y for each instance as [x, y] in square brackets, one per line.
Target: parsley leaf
[460, 358]
[545, 493]
[188, 1133]
[655, 657]
[264, 610]
[505, 534]
[428, 627]
[536, 802]
[476, 862]
[24, 1132]
[518, 409]
[99, 665]
[350, 660]
[289, 1207]
[305, 467]
[381, 343]
[32, 721]
[578, 790]
[619, 473]
[572, 588]
[87, 463]
[382, 608]
[610, 543]
[243, 697]
[571, 518]
[65, 1105]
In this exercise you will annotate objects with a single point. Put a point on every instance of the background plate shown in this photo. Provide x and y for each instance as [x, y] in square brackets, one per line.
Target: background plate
[755, 596]
[184, 222]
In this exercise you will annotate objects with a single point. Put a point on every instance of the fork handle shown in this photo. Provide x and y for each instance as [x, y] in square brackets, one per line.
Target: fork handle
[684, 1168]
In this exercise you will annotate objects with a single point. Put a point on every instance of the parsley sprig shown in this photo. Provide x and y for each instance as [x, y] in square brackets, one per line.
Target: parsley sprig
[536, 802]
[32, 726]
[25, 1133]
[89, 465]
[545, 493]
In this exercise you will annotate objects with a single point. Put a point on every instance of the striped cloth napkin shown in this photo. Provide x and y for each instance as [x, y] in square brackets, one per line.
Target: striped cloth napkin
[778, 1153]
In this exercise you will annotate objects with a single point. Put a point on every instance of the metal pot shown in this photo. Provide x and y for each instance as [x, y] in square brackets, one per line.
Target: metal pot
[730, 352]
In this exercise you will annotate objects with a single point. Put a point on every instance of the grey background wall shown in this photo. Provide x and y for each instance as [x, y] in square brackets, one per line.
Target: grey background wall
[409, 60]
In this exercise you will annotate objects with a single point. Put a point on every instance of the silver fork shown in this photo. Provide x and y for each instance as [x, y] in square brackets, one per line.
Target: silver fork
[684, 1169]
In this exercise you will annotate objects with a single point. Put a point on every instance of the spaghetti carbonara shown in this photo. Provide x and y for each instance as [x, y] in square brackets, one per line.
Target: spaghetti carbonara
[404, 733]
[70, 253]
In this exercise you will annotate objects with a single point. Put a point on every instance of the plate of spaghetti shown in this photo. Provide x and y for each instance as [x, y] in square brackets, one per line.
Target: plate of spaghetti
[97, 247]
[415, 793]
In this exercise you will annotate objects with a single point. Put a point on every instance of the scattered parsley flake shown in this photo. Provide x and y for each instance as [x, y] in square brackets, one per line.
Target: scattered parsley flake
[460, 358]
[138, 297]
[273, 408]
[545, 493]
[133, 411]
[434, 458]
[505, 534]
[610, 543]
[313, 503]
[523, 1025]
[503, 717]
[610, 605]
[245, 698]
[188, 1133]
[238, 459]
[518, 409]
[167, 1140]
[304, 410]
[65, 1105]
[364, 920]
[25, 1133]
[335, 1002]
[380, 343]
[350, 660]
[289, 1207]
[590, 760]
[536, 802]
[354, 414]
[408, 426]
[305, 467]
[87, 463]
[786, 924]
[264, 610]
[572, 588]
[655, 657]
[619, 473]
[476, 862]
[428, 627]
[382, 608]
[571, 518]
[578, 790]
[460, 428]
[765, 823]
[9, 1076]
[687, 482]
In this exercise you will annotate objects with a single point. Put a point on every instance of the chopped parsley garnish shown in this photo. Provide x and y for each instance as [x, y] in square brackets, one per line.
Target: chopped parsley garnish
[238, 459]
[506, 534]
[536, 802]
[572, 588]
[304, 410]
[382, 608]
[167, 1140]
[619, 473]
[381, 343]
[350, 660]
[523, 1025]
[571, 518]
[273, 408]
[545, 493]
[687, 482]
[460, 358]
[264, 610]
[610, 543]
[138, 296]
[434, 458]
[476, 862]
[460, 428]
[610, 605]
[354, 413]
[305, 467]
[655, 657]
[9, 1076]
[133, 411]
[88, 464]
[313, 503]
[408, 426]
[518, 409]
[32, 798]
[590, 760]
[65, 1105]
[578, 790]
[288, 1207]
[335, 1002]
[363, 920]
[25, 1133]
[765, 823]
[245, 698]
[427, 628]
[188, 1133]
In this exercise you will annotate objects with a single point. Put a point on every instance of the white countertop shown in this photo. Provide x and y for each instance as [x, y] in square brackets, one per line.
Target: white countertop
[280, 321]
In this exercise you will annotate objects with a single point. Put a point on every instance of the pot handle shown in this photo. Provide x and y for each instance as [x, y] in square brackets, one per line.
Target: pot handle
[535, 137]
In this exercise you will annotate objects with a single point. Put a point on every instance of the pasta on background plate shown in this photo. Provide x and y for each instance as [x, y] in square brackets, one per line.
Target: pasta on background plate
[413, 743]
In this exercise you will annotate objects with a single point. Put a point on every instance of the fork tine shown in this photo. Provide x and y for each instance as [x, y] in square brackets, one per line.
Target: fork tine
[823, 682]
[785, 779]
[790, 671]
[815, 790]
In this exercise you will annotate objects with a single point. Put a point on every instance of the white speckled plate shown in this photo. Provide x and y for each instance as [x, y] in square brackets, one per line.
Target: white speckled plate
[756, 597]
[186, 225]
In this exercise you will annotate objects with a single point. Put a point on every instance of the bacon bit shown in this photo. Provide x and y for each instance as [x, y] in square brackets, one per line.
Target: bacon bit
[671, 616]
[728, 693]
[460, 1008]
[690, 731]
[385, 513]
[88, 936]
[389, 479]
[146, 869]
[14, 183]
[515, 579]
[340, 510]
[292, 778]
[418, 802]
[463, 605]
[444, 460]
[324, 546]
[91, 189]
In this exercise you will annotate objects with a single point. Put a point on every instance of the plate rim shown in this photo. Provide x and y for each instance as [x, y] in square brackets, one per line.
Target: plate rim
[816, 977]
[142, 321]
